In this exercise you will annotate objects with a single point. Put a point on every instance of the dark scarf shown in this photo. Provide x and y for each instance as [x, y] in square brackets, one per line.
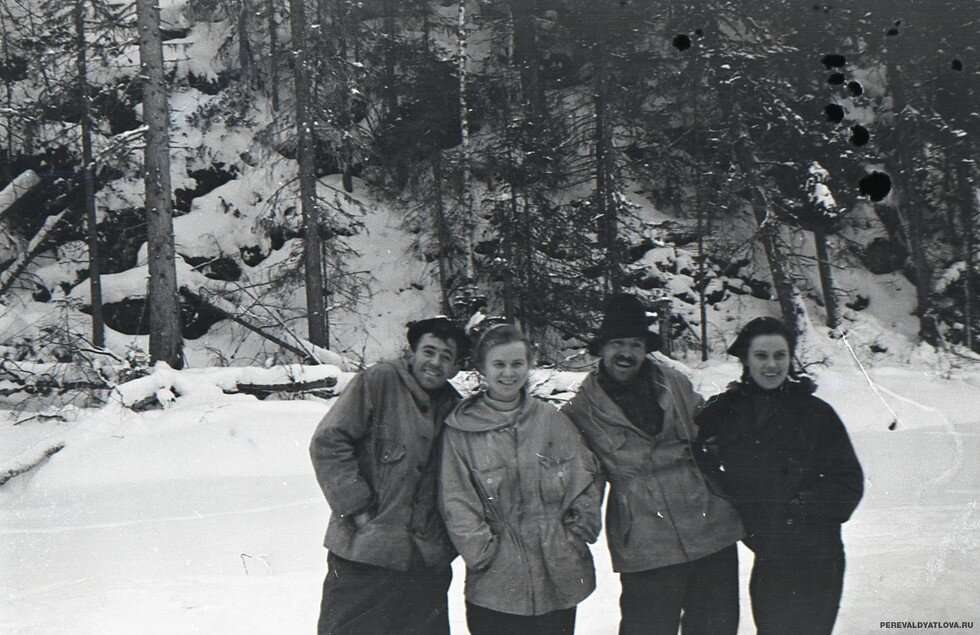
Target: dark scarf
[767, 403]
[637, 398]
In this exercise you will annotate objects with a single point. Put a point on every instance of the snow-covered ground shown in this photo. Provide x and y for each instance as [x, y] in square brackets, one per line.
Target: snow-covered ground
[205, 516]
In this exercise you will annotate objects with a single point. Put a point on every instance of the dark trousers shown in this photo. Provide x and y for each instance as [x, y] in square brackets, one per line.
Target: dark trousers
[797, 594]
[700, 596]
[361, 599]
[483, 621]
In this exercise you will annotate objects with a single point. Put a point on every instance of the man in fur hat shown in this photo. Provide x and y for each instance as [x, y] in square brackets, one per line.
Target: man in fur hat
[671, 537]
[375, 458]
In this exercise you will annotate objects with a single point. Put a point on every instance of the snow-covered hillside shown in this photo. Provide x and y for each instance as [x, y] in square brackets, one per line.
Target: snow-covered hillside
[206, 517]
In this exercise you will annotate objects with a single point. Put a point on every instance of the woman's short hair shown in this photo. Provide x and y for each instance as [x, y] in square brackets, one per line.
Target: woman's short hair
[761, 326]
[770, 326]
[497, 336]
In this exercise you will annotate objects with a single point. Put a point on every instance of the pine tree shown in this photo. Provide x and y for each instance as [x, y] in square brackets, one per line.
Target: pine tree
[161, 298]
[316, 315]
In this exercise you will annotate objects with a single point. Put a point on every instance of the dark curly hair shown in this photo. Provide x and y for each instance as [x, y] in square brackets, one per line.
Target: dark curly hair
[760, 326]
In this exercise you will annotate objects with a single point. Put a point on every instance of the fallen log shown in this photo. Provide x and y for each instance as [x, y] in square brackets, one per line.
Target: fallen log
[35, 247]
[165, 383]
[17, 189]
[321, 388]
[29, 464]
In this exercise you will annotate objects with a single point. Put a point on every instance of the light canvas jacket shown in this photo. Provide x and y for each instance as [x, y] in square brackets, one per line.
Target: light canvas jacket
[374, 451]
[520, 494]
[661, 509]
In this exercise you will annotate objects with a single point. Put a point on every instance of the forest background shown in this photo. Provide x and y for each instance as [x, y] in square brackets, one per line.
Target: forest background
[274, 179]
[264, 192]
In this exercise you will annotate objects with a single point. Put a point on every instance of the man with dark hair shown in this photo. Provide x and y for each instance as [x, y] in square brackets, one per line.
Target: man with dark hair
[374, 454]
[672, 539]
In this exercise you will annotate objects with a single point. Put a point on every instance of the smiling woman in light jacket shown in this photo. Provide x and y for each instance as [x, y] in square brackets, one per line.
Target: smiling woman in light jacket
[520, 495]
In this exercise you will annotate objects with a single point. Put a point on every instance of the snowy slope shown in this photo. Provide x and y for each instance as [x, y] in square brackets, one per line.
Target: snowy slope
[205, 517]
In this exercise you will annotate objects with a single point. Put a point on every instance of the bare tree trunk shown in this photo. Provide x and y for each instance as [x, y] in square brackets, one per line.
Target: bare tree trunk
[908, 146]
[966, 196]
[166, 343]
[608, 222]
[910, 212]
[440, 221]
[464, 128]
[341, 32]
[388, 90]
[88, 167]
[830, 300]
[6, 153]
[527, 56]
[769, 234]
[317, 319]
[699, 209]
[245, 57]
[270, 10]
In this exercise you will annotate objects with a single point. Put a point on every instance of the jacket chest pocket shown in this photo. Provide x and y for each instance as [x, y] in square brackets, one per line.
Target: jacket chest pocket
[489, 479]
[390, 454]
[553, 479]
[391, 451]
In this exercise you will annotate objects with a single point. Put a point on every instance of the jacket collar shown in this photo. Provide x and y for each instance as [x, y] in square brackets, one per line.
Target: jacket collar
[605, 411]
[473, 414]
[421, 395]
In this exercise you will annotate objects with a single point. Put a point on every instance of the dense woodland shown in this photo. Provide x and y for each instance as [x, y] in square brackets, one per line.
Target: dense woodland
[786, 141]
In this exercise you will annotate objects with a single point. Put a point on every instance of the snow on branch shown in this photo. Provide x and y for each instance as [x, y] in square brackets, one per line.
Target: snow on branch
[36, 245]
[17, 188]
[28, 460]
[46, 378]
[165, 384]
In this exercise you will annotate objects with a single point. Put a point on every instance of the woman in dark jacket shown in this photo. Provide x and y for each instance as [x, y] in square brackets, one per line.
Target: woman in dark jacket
[785, 459]
[520, 494]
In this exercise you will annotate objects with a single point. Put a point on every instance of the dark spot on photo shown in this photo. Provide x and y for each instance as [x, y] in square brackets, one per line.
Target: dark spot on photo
[891, 32]
[875, 185]
[833, 60]
[956, 65]
[855, 88]
[682, 41]
[860, 135]
[836, 79]
[834, 112]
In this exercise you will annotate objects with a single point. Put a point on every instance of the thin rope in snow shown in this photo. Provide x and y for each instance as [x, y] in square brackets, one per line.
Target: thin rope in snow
[871, 384]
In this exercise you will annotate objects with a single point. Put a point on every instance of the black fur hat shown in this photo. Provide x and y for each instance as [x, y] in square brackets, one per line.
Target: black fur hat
[624, 316]
[761, 326]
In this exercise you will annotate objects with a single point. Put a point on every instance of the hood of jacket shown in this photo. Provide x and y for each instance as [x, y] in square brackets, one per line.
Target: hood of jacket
[473, 414]
[421, 395]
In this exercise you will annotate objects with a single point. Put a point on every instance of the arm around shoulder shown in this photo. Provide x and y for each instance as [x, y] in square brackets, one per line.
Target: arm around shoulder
[584, 517]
